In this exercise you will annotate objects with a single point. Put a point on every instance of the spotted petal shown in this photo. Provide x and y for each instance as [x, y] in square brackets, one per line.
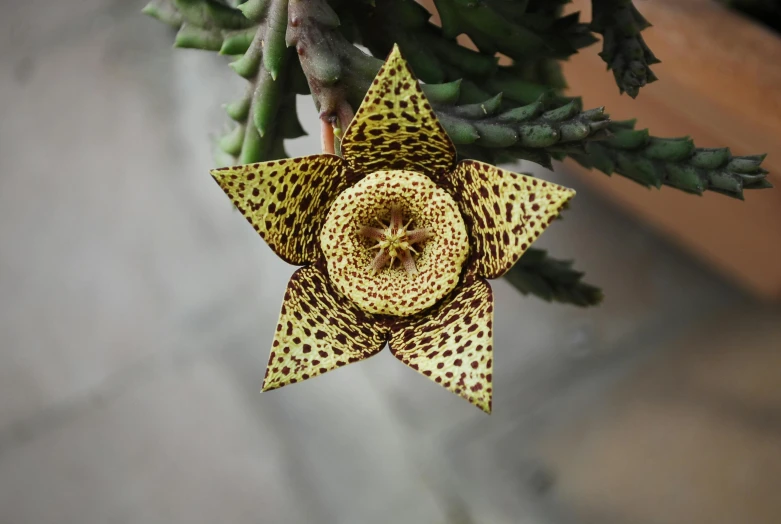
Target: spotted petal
[286, 201]
[452, 344]
[318, 331]
[506, 212]
[395, 127]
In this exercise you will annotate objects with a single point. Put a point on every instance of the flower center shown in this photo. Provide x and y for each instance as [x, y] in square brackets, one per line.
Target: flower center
[394, 243]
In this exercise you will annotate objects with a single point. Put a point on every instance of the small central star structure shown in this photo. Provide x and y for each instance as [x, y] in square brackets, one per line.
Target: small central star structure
[394, 241]
[365, 270]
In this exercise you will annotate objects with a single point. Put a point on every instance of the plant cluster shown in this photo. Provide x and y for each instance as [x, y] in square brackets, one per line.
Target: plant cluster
[492, 112]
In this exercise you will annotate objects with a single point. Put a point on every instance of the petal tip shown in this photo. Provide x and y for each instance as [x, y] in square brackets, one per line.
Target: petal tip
[483, 397]
[565, 196]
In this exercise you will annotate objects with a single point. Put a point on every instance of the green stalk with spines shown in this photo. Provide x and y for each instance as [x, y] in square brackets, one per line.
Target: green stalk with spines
[275, 46]
[254, 9]
[509, 27]
[211, 14]
[237, 42]
[255, 32]
[334, 76]
[203, 24]
[562, 35]
[527, 131]
[623, 48]
[539, 143]
[674, 162]
[165, 11]
[523, 121]
[489, 30]
[435, 56]
[337, 72]
[552, 280]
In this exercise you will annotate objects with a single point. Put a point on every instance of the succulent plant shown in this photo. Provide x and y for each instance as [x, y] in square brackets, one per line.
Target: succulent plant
[493, 112]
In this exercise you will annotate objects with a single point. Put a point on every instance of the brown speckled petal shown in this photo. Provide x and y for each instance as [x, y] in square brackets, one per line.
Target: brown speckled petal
[318, 331]
[395, 127]
[452, 343]
[506, 212]
[286, 201]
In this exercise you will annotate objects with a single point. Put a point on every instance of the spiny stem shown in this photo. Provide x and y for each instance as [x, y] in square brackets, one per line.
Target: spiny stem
[623, 48]
[675, 162]
[337, 72]
[552, 280]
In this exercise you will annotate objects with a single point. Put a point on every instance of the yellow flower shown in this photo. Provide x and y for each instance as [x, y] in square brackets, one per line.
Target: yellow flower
[397, 241]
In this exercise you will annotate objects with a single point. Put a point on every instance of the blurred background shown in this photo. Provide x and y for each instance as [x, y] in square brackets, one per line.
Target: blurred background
[137, 310]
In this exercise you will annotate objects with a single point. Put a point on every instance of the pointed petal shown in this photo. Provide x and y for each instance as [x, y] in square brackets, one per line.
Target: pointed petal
[318, 331]
[380, 260]
[453, 343]
[395, 127]
[372, 232]
[418, 235]
[408, 262]
[396, 219]
[286, 201]
[506, 212]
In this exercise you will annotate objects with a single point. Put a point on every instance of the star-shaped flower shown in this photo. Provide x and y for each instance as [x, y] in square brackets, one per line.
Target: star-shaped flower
[397, 195]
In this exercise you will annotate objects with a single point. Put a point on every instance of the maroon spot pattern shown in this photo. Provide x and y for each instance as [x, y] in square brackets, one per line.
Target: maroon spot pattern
[321, 329]
[505, 212]
[395, 126]
[452, 344]
[286, 201]
[349, 255]
[331, 332]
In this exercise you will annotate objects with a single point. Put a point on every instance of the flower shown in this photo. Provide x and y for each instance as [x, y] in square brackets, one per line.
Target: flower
[396, 241]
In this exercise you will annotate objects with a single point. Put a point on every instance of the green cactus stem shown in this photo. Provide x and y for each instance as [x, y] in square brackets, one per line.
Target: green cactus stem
[674, 162]
[623, 48]
[552, 280]
[495, 113]
[529, 132]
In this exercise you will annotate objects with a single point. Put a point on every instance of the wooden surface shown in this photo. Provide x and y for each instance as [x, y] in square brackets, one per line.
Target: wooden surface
[716, 84]
[690, 437]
